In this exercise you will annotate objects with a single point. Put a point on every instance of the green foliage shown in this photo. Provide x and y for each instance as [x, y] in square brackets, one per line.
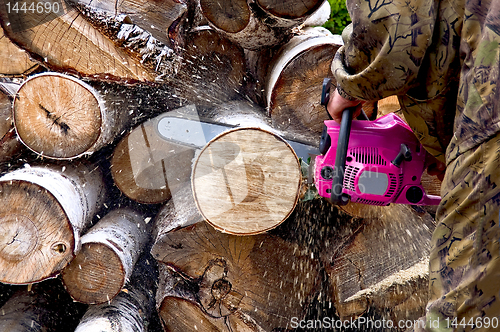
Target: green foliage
[339, 17]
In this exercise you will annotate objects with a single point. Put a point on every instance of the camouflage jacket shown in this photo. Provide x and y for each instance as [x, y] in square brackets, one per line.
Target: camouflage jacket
[441, 57]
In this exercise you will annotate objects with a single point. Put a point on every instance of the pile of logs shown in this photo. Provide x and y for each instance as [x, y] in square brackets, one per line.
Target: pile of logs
[106, 224]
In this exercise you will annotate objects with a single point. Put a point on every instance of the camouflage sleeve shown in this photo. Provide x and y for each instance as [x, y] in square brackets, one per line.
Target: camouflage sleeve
[383, 52]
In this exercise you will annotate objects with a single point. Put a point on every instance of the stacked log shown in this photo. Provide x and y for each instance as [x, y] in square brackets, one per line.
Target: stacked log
[255, 25]
[247, 283]
[14, 61]
[110, 250]
[133, 309]
[44, 211]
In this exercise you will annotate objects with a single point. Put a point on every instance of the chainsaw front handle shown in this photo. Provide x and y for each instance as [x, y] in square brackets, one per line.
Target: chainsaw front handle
[337, 195]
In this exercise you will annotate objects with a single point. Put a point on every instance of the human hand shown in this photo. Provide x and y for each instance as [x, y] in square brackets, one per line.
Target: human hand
[435, 167]
[337, 104]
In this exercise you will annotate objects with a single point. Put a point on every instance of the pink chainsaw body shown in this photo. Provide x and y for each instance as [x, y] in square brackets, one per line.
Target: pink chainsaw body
[370, 177]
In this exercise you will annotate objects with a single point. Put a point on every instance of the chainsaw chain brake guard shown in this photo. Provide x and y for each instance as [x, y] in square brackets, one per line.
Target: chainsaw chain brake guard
[383, 165]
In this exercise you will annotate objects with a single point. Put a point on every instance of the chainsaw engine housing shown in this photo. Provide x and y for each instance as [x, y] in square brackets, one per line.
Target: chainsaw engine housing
[384, 163]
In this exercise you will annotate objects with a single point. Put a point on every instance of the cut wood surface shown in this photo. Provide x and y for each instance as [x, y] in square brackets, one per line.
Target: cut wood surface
[147, 167]
[132, 309]
[110, 250]
[65, 41]
[43, 212]
[14, 62]
[254, 25]
[294, 84]
[290, 9]
[394, 238]
[59, 116]
[257, 282]
[246, 181]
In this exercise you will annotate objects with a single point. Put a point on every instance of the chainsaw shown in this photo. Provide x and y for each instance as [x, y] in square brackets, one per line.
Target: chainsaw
[371, 162]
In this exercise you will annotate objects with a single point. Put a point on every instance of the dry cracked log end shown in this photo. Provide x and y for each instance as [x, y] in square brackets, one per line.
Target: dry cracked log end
[43, 211]
[14, 61]
[246, 181]
[35, 240]
[57, 116]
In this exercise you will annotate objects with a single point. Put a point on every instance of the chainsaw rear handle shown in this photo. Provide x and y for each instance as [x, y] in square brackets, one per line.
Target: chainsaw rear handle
[325, 97]
[338, 197]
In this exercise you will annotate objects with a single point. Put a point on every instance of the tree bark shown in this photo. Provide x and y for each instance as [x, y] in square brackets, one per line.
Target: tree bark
[251, 283]
[10, 147]
[43, 212]
[246, 181]
[294, 84]
[254, 25]
[110, 250]
[165, 20]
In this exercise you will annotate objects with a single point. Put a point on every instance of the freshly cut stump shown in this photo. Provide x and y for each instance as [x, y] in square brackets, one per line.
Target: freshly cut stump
[246, 181]
[57, 116]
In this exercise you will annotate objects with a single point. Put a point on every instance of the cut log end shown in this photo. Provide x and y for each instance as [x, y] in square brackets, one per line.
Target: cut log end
[96, 274]
[294, 86]
[35, 235]
[246, 181]
[290, 9]
[150, 190]
[56, 116]
[230, 16]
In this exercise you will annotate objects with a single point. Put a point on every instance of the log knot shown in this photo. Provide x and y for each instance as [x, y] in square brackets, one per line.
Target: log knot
[216, 296]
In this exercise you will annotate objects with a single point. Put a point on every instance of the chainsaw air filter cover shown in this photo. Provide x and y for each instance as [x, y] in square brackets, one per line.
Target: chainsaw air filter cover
[384, 163]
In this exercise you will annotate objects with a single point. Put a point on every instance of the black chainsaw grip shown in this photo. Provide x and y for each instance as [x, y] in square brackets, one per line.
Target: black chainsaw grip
[325, 94]
[337, 196]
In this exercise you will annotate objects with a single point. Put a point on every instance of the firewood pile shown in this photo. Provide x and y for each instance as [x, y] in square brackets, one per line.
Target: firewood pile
[108, 225]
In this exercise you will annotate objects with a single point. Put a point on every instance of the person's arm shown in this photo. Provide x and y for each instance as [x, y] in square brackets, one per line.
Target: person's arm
[383, 53]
